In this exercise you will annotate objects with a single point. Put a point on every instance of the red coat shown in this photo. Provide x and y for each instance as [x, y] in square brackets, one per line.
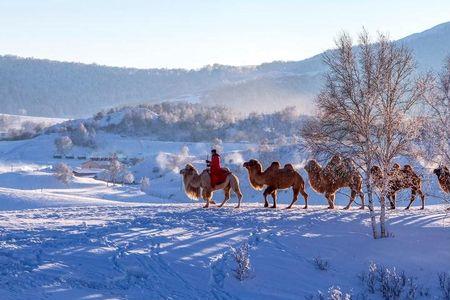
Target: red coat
[218, 175]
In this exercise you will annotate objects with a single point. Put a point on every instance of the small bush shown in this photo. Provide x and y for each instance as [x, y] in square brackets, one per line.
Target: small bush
[444, 283]
[391, 283]
[334, 293]
[321, 264]
[242, 259]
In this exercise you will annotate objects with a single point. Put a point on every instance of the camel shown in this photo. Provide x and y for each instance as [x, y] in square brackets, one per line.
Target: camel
[398, 179]
[443, 174]
[196, 184]
[276, 178]
[336, 175]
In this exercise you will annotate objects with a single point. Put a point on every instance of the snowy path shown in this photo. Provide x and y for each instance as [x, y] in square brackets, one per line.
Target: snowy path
[180, 251]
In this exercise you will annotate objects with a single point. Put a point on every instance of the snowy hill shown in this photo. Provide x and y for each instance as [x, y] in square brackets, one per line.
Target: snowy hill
[49, 88]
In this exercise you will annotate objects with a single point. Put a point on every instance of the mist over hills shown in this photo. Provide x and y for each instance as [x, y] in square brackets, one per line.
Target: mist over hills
[60, 89]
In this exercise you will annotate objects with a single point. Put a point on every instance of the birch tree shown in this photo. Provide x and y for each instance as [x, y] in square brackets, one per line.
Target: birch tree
[365, 108]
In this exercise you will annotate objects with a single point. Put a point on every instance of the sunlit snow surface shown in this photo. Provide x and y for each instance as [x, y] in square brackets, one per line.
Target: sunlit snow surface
[90, 240]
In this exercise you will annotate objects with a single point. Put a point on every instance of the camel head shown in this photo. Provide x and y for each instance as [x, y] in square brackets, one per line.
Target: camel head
[312, 166]
[191, 191]
[408, 169]
[396, 167]
[252, 164]
[188, 170]
[254, 169]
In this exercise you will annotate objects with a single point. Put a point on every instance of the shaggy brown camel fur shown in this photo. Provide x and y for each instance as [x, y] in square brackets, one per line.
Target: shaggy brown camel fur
[336, 175]
[276, 178]
[196, 184]
[398, 179]
[443, 174]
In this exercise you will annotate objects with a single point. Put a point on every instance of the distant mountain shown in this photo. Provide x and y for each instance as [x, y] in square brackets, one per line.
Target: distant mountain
[60, 89]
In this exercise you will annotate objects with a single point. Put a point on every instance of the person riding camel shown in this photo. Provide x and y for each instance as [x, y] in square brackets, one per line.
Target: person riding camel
[218, 175]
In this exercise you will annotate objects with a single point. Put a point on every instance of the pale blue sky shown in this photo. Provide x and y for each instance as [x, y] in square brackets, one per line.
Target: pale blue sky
[191, 34]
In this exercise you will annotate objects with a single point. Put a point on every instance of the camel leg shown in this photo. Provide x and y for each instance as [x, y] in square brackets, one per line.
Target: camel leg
[266, 193]
[207, 197]
[238, 193]
[361, 195]
[422, 197]
[413, 197]
[330, 199]
[352, 198]
[274, 197]
[295, 197]
[226, 191]
[305, 196]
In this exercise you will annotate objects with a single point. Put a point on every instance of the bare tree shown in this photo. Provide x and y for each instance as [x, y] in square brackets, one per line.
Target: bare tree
[365, 108]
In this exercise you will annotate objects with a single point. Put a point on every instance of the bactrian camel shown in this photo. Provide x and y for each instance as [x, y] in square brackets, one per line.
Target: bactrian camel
[196, 184]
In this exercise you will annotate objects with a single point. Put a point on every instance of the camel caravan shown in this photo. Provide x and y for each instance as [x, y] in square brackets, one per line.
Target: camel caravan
[337, 174]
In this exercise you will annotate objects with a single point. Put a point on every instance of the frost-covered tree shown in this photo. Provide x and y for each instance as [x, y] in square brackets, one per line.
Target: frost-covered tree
[115, 167]
[436, 133]
[63, 144]
[81, 136]
[63, 173]
[145, 185]
[128, 177]
[365, 111]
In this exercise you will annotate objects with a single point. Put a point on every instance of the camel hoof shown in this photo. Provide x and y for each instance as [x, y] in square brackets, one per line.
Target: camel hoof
[289, 207]
[266, 205]
[206, 206]
[273, 206]
[237, 207]
[330, 207]
[362, 207]
[422, 208]
[407, 208]
[346, 208]
[305, 207]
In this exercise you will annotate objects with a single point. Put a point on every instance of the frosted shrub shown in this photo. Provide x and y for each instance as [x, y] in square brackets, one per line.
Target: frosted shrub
[145, 185]
[391, 283]
[63, 172]
[334, 293]
[321, 264]
[128, 177]
[242, 259]
[444, 283]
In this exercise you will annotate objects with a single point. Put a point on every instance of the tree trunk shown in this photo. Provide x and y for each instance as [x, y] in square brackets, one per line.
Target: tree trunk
[383, 216]
[373, 220]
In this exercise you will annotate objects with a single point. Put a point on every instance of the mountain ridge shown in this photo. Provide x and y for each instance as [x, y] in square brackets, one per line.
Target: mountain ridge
[50, 88]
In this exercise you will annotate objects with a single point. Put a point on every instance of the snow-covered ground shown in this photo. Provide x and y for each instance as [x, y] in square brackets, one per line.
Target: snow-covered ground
[170, 251]
[91, 240]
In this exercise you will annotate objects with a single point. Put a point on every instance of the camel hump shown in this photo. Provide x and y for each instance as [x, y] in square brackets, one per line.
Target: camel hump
[289, 167]
[275, 164]
[408, 168]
